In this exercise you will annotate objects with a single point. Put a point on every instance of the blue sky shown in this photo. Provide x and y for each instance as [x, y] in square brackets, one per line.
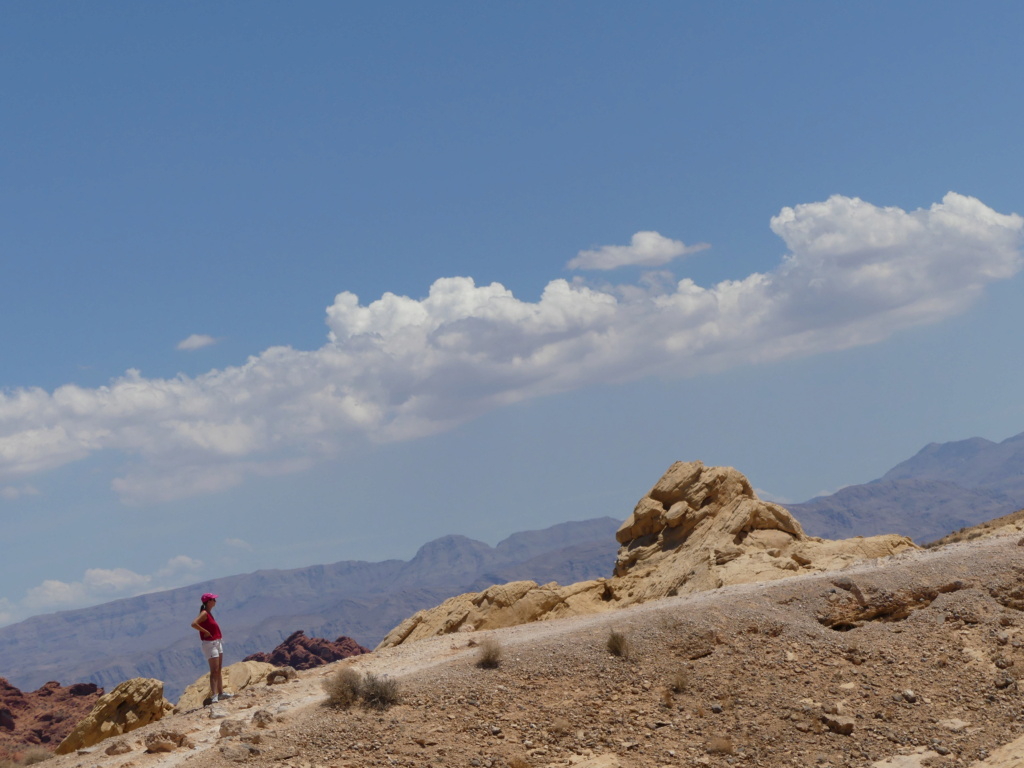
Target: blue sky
[296, 283]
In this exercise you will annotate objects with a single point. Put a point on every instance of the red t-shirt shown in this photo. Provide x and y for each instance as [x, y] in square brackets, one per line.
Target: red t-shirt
[211, 626]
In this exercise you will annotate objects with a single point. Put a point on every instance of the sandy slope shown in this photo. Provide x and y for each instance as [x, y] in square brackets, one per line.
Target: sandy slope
[765, 682]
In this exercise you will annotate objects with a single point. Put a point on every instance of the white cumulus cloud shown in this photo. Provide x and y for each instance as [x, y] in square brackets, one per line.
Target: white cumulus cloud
[7, 611]
[196, 341]
[100, 585]
[398, 367]
[645, 249]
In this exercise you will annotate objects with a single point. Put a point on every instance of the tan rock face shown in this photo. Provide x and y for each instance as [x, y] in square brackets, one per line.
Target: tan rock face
[698, 528]
[236, 678]
[132, 704]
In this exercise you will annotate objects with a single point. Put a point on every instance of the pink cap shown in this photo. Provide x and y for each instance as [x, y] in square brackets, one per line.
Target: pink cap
[208, 596]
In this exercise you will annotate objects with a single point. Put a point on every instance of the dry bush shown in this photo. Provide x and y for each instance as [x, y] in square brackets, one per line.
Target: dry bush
[559, 727]
[490, 654]
[666, 698]
[344, 687]
[720, 745]
[34, 755]
[30, 756]
[618, 645]
[379, 691]
[679, 681]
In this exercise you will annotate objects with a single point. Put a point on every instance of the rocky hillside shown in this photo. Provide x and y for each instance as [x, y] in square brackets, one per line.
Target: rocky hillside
[149, 636]
[1007, 524]
[943, 488]
[907, 661]
[301, 652]
[698, 528]
[42, 717]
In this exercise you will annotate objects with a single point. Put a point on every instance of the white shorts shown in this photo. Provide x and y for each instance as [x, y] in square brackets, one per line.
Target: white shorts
[212, 649]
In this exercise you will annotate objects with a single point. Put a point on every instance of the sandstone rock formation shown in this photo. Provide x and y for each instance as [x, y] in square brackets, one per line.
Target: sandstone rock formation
[132, 704]
[237, 677]
[301, 652]
[42, 717]
[698, 528]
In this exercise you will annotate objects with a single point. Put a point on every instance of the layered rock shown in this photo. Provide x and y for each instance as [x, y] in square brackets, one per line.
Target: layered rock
[236, 677]
[301, 652]
[42, 717]
[133, 704]
[698, 528]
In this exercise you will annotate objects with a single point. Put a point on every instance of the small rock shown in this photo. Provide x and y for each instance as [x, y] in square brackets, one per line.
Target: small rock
[239, 752]
[231, 728]
[281, 675]
[118, 747]
[166, 741]
[261, 718]
[217, 713]
[910, 696]
[838, 724]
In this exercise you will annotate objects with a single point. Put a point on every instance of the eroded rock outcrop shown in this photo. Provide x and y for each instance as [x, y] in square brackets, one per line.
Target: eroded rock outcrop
[132, 704]
[42, 717]
[236, 677]
[301, 652]
[698, 528]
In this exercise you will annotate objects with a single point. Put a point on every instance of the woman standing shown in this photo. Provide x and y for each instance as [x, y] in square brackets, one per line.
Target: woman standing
[213, 650]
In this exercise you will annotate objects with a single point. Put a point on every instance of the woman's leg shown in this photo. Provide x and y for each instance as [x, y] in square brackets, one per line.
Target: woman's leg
[216, 682]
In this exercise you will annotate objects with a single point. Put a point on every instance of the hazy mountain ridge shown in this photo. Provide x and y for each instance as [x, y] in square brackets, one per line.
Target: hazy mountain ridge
[943, 487]
[149, 635]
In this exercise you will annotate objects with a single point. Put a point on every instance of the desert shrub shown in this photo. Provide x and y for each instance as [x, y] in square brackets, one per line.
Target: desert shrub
[31, 756]
[720, 745]
[490, 654]
[559, 726]
[379, 691]
[34, 755]
[344, 687]
[679, 681]
[618, 645]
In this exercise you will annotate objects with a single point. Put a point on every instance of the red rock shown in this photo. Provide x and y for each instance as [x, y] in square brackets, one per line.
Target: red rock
[303, 652]
[42, 717]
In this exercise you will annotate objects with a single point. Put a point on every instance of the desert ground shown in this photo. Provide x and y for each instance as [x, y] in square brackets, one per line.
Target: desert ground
[909, 660]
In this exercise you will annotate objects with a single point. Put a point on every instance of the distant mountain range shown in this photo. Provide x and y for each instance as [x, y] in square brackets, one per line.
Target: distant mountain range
[946, 486]
[149, 635]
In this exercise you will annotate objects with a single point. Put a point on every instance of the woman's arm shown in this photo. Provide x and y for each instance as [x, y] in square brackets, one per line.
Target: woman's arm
[203, 631]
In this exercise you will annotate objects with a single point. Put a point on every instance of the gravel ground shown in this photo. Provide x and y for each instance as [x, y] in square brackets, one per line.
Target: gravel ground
[907, 661]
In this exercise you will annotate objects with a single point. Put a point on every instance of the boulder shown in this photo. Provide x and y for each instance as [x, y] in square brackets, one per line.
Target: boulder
[237, 677]
[133, 704]
[698, 528]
